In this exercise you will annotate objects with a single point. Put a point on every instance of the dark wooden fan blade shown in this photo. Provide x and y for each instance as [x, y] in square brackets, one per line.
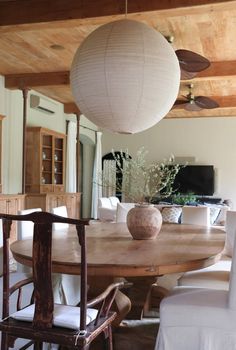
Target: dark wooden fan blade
[193, 107]
[180, 102]
[205, 102]
[191, 61]
[187, 75]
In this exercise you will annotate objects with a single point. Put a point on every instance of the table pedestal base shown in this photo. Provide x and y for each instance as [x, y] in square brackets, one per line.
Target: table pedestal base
[130, 302]
[140, 296]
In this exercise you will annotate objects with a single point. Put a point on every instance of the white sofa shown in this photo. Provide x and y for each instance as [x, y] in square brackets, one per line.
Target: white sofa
[107, 208]
[199, 215]
[215, 215]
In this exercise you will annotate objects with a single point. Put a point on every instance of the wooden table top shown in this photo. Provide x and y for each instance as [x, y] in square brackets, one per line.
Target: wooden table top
[111, 251]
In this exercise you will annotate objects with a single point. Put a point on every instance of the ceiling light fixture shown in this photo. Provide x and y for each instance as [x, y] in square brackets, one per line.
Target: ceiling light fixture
[125, 76]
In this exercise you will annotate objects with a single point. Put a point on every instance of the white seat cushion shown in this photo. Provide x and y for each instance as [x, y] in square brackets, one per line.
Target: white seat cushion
[64, 315]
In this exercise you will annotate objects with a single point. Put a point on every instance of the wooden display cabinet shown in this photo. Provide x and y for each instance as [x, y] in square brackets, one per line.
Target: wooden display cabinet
[45, 160]
[1, 118]
[45, 172]
[10, 204]
[47, 201]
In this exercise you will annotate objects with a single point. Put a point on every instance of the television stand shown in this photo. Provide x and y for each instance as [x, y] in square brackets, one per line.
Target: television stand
[210, 200]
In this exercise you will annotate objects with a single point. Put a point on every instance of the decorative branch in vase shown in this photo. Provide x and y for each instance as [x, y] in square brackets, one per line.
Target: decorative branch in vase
[140, 182]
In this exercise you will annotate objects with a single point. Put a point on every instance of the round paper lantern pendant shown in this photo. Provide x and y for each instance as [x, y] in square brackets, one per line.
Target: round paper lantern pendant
[125, 76]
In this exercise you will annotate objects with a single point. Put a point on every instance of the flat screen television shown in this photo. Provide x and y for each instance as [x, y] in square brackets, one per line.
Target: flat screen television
[198, 179]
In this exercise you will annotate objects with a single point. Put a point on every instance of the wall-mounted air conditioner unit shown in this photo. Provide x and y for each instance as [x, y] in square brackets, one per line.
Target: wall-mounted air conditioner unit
[42, 104]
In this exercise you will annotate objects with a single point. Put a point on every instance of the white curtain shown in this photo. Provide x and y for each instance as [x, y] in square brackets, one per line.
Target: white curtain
[109, 178]
[97, 170]
[71, 157]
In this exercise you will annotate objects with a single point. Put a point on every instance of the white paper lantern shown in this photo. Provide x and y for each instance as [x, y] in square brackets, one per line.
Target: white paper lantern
[125, 76]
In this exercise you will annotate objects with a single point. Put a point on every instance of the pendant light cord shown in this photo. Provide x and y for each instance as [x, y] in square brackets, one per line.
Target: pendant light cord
[126, 8]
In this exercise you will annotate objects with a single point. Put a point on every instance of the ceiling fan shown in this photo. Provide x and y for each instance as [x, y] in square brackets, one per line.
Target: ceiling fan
[190, 62]
[196, 103]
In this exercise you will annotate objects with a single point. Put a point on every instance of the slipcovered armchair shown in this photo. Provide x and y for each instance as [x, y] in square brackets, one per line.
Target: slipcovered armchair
[106, 212]
[114, 201]
[199, 318]
[217, 275]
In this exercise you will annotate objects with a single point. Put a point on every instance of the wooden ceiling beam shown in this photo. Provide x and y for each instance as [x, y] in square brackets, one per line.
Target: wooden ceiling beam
[38, 11]
[71, 108]
[223, 101]
[14, 81]
[217, 70]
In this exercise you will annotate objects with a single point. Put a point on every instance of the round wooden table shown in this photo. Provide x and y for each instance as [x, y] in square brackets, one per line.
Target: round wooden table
[111, 252]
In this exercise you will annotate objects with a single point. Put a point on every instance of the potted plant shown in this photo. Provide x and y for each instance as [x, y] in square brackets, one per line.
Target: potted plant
[141, 182]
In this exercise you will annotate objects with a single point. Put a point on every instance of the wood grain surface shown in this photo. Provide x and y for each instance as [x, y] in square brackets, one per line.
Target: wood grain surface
[112, 252]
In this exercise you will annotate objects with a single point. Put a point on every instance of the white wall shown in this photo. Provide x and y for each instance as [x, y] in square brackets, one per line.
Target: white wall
[210, 140]
[11, 105]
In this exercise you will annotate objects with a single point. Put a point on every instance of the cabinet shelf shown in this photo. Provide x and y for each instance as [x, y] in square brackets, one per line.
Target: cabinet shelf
[42, 147]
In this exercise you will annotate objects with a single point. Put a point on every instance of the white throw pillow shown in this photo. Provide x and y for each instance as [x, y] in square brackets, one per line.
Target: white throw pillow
[220, 220]
[214, 213]
[171, 214]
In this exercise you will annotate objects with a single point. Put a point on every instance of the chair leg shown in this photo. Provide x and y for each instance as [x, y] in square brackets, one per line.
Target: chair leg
[108, 345]
[38, 346]
[4, 342]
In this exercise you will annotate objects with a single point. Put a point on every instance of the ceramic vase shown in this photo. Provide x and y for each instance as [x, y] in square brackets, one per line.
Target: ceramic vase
[144, 221]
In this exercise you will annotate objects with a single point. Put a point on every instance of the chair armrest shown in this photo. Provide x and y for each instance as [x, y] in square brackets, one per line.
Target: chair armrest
[20, 284]
[111, 288]
[18, 287]
[105, 300]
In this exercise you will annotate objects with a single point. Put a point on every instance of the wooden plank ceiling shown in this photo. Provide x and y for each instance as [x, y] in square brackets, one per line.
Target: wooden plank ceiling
[39, 38]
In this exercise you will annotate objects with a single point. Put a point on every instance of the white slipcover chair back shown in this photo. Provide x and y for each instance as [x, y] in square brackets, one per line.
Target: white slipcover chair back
[196, 215]
[61, 211]
[24, 231]
[199, 318]
[70, 284]
[122, 211]
[217, 275]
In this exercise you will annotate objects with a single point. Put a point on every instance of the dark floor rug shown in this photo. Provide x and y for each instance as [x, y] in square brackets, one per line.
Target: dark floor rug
[136, 335]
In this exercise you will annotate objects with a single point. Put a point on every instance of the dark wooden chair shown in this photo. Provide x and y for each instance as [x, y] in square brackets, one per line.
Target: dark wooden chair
[73, 327]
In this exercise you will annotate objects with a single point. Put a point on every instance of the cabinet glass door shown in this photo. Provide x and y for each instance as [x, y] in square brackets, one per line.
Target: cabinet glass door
[58, 161]
[47, 154]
